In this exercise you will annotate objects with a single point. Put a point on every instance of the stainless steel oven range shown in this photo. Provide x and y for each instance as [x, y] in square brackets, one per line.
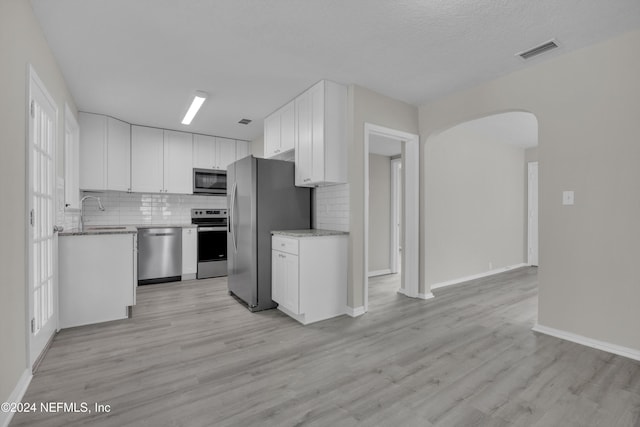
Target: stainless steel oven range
[212, 241]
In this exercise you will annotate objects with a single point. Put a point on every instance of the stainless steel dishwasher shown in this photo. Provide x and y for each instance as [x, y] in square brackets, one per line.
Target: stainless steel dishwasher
[159, 255]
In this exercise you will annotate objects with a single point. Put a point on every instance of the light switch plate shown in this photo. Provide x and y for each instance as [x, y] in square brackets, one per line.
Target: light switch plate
[567, 197]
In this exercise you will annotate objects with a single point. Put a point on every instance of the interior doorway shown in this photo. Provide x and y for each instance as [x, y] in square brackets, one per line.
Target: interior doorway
[405, 145]
[41, 232]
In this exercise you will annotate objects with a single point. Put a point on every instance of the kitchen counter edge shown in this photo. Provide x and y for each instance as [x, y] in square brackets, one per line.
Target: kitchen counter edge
[309, 233]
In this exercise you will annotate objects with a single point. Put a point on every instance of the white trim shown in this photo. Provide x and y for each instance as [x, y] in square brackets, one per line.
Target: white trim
[631, 353]
[16, 396]
[477, 276]
[379, 272]
[426, 296]
[532, 217]
[411, 215]
[355, 312]
[396, 164]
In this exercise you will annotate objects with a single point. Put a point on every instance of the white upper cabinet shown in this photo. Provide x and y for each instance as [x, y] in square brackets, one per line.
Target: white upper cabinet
[118, 155]
[212, 152]
[204, 151]
[147, 159]
[243, 149]
[178, 158]
[71, 160]
[105, 153]
[93, 151]
[280, 131]
[320, 145]
[225, 153]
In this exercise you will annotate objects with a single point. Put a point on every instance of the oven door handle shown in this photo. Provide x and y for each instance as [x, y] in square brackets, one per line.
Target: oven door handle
[232, 211]
[201, 229]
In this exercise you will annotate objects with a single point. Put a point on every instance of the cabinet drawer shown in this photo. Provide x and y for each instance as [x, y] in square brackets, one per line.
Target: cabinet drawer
[284, 244]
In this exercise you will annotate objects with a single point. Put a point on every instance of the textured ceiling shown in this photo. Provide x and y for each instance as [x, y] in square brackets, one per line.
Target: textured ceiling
[141, 60]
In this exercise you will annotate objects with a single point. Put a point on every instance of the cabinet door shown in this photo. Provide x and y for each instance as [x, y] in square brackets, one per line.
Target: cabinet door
[118, 155]
[242, 149]
[71, 160]
[288, 127]
[189, 251]
[178, 159]
[291, 283]
[204, 151]
[93, 138]
[304, 147]
[284, 283]
[147, 159]
[272, 135]
[278, 277]
[317, 133]
[225, 153]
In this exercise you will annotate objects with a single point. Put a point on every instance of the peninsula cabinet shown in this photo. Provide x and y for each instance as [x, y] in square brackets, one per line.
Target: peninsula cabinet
[280, 132]
[309, 275]
[105, 153]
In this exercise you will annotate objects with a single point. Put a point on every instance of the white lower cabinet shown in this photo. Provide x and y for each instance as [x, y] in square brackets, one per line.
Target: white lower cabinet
[97, 278]
[189, 253]
[309, 276]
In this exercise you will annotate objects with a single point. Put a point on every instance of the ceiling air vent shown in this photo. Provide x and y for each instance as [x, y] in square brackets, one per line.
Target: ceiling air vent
[244, 121]
[538, 50]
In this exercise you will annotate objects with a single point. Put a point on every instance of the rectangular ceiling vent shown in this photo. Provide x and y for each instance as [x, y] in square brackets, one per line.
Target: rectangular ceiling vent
[538, 50]
[244, 121]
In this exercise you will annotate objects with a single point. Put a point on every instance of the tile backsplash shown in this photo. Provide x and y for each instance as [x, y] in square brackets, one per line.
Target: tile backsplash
[331, 207]
[123, 208]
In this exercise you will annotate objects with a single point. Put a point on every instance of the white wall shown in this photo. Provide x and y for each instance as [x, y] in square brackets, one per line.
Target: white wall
[379, 212]
[475, 209]
[21, 42]
[587, 104]
[366, 106]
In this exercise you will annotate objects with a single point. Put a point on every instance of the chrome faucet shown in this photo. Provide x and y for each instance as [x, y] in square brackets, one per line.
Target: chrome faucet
[82, 208]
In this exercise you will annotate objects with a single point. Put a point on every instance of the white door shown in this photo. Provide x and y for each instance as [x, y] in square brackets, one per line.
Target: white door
[532, 207]
[43, 292]
[396, 214]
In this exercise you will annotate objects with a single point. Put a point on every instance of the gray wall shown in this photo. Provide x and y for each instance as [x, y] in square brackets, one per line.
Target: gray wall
[379, 212]
[587, 105]
[257, 147]
[21, 42]
[475, 211]
[366, 106]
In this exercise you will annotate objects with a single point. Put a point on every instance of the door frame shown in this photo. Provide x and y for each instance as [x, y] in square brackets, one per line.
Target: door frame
[410, 212]
[34, 79]
[532, 220]
[396, 164]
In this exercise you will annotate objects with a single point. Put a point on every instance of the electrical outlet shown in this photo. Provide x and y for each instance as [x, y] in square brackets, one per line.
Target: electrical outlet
[567, 198]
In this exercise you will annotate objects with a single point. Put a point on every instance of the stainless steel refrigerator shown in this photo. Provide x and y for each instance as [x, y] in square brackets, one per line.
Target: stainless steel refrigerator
[262, 197]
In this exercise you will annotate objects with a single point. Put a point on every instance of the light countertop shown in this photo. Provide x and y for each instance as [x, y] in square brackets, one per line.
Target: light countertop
[313, 232]
[118, 229]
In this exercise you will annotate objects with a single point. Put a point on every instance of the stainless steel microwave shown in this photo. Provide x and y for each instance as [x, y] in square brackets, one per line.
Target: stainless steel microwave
[210, 181]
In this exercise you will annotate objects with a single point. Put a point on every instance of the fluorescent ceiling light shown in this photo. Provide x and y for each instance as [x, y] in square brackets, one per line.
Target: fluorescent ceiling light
[197, 102]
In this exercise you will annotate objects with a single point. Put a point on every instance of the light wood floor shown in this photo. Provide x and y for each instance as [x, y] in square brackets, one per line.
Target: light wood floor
[193, 356]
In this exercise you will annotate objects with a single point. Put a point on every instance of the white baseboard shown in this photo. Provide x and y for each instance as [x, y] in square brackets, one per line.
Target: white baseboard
[477, 276]
[354, 312]
[426, 296]
[589, 342]
[379, 272]
[16, 396]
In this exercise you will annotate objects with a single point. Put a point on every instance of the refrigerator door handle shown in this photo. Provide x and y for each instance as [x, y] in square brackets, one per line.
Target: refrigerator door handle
[232, 212]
